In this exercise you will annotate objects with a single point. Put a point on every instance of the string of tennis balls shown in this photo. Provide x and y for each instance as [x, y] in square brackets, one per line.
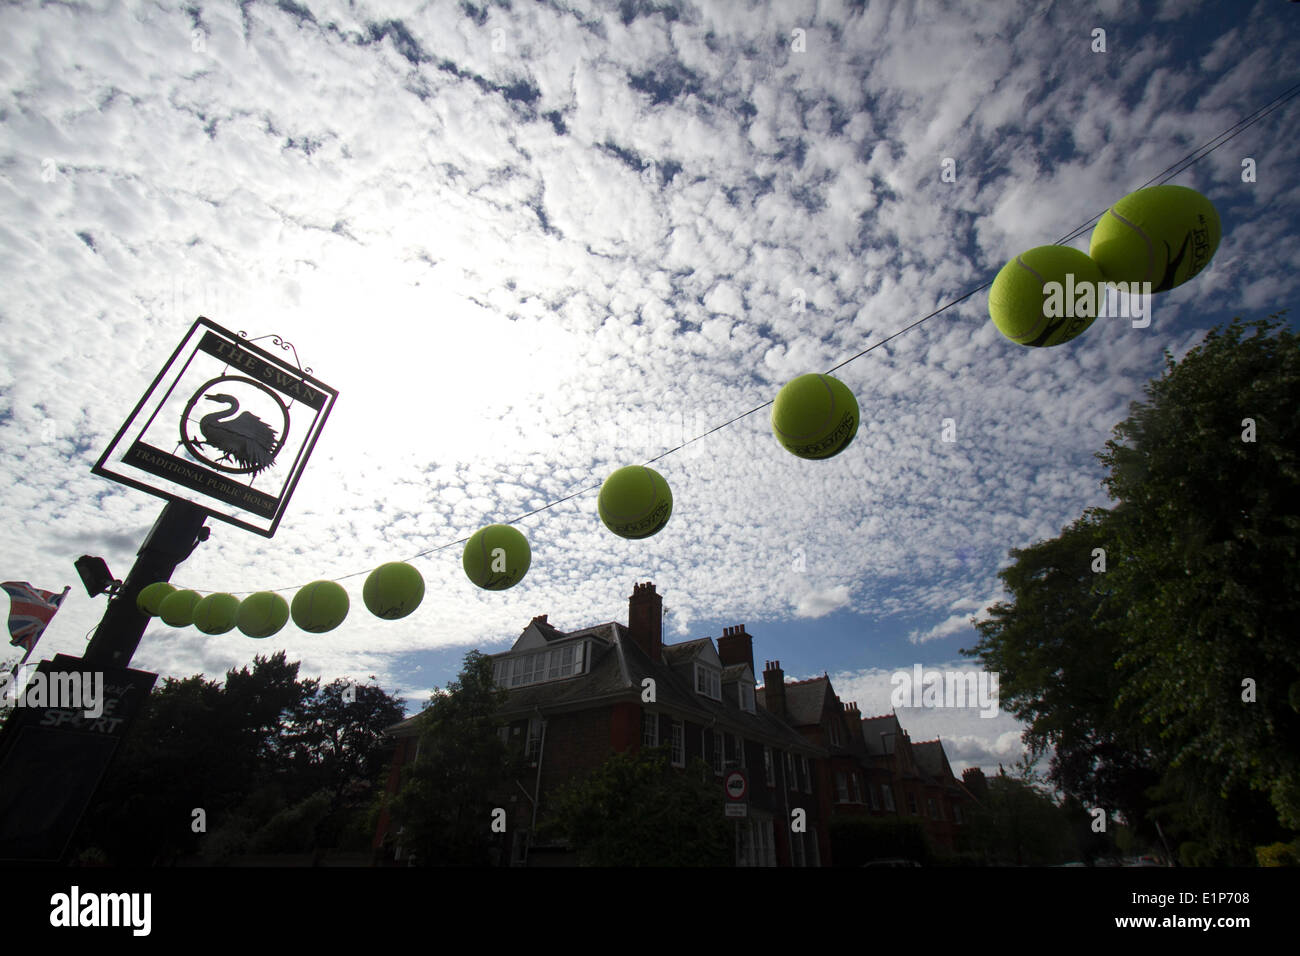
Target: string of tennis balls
[1161, 235]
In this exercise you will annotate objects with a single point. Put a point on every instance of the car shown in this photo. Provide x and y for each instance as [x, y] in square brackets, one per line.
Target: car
[891, 863]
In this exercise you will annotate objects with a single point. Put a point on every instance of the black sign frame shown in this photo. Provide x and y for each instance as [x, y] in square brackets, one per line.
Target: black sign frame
[260, 368]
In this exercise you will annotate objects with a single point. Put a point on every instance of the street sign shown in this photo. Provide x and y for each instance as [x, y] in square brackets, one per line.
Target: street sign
[736, 785]
[225, 426]
[737, 810]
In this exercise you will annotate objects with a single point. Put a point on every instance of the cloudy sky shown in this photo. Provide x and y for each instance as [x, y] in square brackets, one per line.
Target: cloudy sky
[530, 243]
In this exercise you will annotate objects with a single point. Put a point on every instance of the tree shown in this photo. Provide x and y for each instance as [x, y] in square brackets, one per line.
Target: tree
[1054, 645]
[1207, 473]
[637, 810]
[1164, 681]
[275, 763]
[1018, 823]
[445, 805]
[337, 754]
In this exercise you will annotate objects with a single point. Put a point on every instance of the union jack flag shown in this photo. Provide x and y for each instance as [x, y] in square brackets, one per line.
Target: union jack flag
[30, 610]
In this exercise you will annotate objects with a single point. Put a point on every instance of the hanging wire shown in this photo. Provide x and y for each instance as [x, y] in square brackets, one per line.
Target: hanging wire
[1162, 177]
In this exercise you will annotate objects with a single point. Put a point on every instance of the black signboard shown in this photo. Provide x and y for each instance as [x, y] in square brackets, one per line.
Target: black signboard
[54, 751]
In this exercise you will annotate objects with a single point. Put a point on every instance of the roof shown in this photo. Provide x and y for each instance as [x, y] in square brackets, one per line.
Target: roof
[880, 733]
[734, 672]
[616, 672]
[687, 650]
[675, 691]
[931, 759]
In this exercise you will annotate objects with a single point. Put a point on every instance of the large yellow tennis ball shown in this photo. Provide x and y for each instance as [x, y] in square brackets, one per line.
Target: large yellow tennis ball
[393, 590]
[262, 614]
[320, 606]
[497, 557]
[216, 613]
[1163, 235]
[1046, 296]
[815, 416]
[635, 502]
[177, 608]
[152, 595]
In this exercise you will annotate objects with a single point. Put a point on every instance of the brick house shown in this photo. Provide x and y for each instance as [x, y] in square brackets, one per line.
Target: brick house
[914, 780]
[577, 697]
[871, 766]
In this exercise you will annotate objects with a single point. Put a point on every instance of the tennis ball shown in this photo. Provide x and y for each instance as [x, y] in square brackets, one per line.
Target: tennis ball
[262, 614]
[497, 557]
[635, 502]
[1046, 296]
[152, 595]
[320, 606]
[815, 416]
[216, 613]
[1163, 235]
[177, 608]
[393, 590]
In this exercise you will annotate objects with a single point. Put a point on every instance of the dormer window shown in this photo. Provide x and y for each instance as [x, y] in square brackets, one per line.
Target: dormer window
[555, 663]
[708, 682]
[747, 697]
[835, 733]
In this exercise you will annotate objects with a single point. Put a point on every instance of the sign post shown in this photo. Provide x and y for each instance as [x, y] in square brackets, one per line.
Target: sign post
[224, 431]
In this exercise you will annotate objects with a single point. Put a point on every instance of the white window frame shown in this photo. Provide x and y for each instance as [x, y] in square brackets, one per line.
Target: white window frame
[807, 774]
[649, 722]
[835, 733]
[539, 667]
[747, 697]
[536, 731]
[719, 752]
[679, 744]
[854, 786]
[708, 681]
[740, 751]
[887, 794]
[791, 779]
[769, 775]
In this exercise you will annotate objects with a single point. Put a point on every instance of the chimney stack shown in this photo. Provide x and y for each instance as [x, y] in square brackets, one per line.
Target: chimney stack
[774, 689]
[976, 783]
[736, 647]
[645, 620]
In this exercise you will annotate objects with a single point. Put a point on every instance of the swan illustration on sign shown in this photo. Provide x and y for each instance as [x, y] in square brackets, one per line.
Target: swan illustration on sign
[247, 439]
[234, 440]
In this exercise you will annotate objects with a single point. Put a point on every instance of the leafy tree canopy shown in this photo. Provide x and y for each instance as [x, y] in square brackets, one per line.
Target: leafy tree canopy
[637, 810]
